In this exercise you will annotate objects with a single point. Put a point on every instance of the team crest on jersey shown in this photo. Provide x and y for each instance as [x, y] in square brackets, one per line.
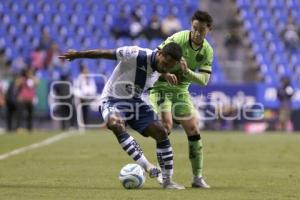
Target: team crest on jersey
[121, 53]
[127, 53]
[199, 57]
[134, 90]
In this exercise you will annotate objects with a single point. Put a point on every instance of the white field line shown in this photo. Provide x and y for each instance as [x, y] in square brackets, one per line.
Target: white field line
[45, 142]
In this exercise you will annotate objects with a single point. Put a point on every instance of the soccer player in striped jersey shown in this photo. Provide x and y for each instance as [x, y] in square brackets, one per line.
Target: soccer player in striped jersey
[122, 103]
[175, 102]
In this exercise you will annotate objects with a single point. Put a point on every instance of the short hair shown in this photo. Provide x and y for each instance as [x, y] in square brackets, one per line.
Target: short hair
[172, 49]
[203, 16]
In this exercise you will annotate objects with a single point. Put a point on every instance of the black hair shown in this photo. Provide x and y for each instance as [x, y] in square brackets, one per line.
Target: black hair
[203, 16]
[173, 49]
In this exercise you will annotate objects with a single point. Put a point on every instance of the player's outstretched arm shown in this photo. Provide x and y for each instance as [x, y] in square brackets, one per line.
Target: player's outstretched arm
[93, 54]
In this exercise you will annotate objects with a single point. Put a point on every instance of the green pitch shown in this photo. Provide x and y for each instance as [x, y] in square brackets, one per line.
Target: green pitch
[86, 166]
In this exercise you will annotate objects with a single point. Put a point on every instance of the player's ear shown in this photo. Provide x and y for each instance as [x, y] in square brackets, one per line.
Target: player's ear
[209, 27]
[159, 53]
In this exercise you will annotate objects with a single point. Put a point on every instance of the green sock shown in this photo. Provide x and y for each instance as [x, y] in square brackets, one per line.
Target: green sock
[196, 154]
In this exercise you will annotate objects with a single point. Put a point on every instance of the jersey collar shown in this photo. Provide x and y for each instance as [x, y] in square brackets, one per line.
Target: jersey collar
[153, 62]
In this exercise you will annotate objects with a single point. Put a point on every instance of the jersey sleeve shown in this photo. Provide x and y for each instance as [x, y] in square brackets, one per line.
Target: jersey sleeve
[179, 38]
[127, 53]
[207, 65]
[199, 78]
[203, 75]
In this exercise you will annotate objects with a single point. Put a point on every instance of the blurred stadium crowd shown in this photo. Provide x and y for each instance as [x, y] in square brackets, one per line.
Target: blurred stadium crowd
[255, 42]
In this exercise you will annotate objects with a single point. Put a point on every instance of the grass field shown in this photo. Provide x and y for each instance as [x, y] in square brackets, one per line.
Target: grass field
[86, 166]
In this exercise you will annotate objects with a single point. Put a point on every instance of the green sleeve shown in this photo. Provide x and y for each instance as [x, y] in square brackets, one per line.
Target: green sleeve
[202, 77]
[209, 54]
[196, 77]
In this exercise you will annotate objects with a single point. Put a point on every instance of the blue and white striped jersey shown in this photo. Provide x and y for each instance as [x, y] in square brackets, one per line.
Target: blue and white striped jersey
[133, 74]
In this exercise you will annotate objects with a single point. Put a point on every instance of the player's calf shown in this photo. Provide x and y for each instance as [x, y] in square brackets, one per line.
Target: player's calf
[133, 149]
[164, 153]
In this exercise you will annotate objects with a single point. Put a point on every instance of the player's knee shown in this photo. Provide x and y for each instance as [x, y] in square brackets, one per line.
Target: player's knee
[160, 133]
[168, 126]
[193, 130]
[117, 128]
[157, 131]
[116, 125]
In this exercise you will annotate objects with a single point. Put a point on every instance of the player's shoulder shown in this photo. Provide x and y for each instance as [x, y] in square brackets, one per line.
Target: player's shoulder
[180, 37]
[132, 49]
[128, 51]
[184, 35]
[145, 49]
[137, 49]
[207, 46]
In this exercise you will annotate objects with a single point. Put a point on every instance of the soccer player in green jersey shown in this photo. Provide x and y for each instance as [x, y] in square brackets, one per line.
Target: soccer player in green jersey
[174, 102]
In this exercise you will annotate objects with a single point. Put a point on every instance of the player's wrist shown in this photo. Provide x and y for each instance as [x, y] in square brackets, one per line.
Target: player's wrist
[165, 75]
[186, 72]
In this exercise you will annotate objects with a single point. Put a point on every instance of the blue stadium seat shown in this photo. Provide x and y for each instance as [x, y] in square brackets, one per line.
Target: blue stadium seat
[154, 43]
[260, 4]
[277, 4]
[264, 34]
[74, 24]
[243, 4]
[124, 42]
[141, 42]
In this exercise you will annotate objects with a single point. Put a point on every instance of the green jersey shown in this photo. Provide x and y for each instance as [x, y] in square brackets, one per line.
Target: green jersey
[198, 60]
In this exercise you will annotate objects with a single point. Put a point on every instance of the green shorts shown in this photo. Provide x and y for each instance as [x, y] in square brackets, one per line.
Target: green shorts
[175, 101]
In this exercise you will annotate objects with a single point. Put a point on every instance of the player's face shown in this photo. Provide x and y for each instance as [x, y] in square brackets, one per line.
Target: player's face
[199, 31]
[165, 63]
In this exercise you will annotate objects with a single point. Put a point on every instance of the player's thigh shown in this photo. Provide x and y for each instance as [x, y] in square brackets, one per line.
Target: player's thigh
[144, 116]
[167, 120]
[160, 101]
[182, 106]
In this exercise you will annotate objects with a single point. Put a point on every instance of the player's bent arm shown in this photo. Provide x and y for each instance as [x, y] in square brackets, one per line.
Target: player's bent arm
[200, 78]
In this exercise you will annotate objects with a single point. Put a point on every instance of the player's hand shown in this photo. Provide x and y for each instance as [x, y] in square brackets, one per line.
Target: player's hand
[170, 78]
[183, 66]
[70, 55]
